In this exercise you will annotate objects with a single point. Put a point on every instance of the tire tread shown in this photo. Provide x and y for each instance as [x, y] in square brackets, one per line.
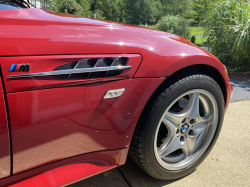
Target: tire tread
[167, 88]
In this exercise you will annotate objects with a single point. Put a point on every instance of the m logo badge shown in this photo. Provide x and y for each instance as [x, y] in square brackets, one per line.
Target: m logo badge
[19, 68]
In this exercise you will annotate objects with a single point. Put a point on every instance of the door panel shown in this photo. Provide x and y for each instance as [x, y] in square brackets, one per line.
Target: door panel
[52, 124]
[4, 138]
[12, 66]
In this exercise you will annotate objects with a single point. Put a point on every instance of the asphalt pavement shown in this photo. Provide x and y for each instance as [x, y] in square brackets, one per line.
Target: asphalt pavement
[228, 164]
[241, 90]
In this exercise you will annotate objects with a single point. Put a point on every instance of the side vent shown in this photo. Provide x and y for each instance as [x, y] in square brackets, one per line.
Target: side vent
[93, 63]
[84, 69]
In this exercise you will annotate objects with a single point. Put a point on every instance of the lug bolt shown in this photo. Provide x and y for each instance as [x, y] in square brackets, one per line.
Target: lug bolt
[191, 132]
[183, 121]
[182, 138]
[192, 121]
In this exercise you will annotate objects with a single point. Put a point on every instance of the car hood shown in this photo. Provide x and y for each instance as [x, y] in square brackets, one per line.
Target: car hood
[40, 32]
[39, 24]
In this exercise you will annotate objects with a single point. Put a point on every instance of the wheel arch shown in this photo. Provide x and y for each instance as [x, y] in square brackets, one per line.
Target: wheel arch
[205, 69]
[201, 68]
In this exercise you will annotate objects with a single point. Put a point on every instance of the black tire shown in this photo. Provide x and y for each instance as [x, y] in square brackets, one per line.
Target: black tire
[141, 148]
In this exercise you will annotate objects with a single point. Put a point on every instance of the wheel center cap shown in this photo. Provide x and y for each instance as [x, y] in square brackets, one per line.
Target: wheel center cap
[184, 128]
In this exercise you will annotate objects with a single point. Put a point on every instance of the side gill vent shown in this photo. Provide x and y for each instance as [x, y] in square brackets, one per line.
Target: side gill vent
[93, 63]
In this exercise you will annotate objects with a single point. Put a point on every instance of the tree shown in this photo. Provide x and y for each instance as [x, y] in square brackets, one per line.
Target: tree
[66, 6]
[200, 9]
[85, 4]
[176, 7]
[109, 9]
[140, 11]
[158, 10]
[129, 11]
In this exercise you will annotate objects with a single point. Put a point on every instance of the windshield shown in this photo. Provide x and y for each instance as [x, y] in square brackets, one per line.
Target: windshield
[10, 4]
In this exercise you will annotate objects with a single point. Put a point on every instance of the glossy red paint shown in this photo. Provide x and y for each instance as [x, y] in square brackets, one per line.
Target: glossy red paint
[228, 88]
[54, 33]
[65, 171]
[4, 138]
[48, 63]
[53, 124]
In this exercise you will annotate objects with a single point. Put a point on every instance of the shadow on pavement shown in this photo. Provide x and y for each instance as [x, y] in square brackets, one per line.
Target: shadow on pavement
[241, 90]
[128, 175]
[135, 177]
[111, 178]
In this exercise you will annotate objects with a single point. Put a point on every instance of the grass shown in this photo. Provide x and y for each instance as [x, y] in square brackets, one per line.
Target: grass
[196, 31]
[149, 26]
[200, 40]
[193, 31]
[152, 27]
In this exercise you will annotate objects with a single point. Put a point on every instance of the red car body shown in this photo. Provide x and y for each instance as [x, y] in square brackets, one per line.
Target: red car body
[55, 131]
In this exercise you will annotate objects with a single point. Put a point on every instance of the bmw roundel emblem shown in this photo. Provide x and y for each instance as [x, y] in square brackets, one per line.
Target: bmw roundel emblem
[184, 128]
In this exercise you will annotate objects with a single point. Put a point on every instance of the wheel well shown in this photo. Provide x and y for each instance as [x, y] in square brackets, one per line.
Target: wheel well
[205, 69]
[200, 68]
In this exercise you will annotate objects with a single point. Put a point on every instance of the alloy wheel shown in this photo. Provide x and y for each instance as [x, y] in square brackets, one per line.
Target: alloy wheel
[186, 129]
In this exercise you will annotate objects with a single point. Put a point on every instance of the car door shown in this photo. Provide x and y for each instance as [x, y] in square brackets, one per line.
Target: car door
[5, 160]
[56, 115]
[56, 102]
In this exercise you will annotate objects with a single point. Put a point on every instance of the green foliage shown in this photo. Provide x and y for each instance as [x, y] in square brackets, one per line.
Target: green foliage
[193, 39]
[175, 25]
[54, 6]
[228, 28]
[85, 4]
[201, 41]
[176, 7]
[150, 26]
[140, 11]
[200, 9]
[109, 9]
[157, 9]
[196, 31]
[129, 11]
[153, 27]
[66, 6]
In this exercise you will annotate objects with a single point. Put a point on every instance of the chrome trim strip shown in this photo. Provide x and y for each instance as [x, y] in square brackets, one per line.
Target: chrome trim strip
[70, 71]
[74, 68]
[112, 64]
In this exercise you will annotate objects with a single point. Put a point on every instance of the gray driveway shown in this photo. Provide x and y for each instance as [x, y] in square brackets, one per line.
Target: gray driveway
[241, 90]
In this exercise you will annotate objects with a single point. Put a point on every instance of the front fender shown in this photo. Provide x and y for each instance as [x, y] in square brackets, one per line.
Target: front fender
[164, 65]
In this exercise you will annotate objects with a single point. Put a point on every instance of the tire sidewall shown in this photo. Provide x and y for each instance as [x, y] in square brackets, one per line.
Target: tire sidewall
[183, 86]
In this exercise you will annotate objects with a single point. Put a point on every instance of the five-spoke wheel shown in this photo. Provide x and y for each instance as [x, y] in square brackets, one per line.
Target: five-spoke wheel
[179, 126]
[186, 129]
